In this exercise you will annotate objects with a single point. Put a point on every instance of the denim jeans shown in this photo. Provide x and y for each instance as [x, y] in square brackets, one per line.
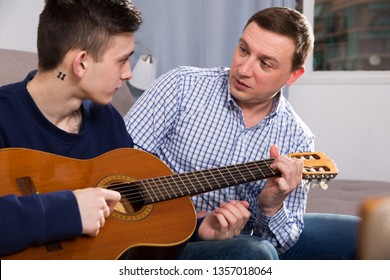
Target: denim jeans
[242, 247]
[325, 236]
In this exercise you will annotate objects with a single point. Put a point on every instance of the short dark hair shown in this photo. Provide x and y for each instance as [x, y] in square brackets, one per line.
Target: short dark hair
[85, 24]
[291, 23]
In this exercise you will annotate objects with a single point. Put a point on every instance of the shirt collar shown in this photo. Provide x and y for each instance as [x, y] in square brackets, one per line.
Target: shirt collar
[279, 105]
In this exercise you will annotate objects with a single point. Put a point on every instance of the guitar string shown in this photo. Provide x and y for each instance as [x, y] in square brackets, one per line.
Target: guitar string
[186, 176]
[170, 179]
[246, 170]
[140, 194]
[187, 180]
[167, 192]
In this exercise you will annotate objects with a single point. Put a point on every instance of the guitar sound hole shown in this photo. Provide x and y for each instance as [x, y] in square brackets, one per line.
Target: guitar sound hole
[132, 200]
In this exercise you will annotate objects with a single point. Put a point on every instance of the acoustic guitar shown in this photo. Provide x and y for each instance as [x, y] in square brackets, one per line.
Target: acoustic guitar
[155, 210]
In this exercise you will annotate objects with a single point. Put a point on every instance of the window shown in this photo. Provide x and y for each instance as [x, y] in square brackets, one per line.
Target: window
[352, 36]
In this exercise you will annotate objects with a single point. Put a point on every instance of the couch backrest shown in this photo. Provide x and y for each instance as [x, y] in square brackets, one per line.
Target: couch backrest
[15, 65]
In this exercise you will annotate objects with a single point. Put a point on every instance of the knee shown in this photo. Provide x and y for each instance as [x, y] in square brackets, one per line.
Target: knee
[256, 249]
[267, 251]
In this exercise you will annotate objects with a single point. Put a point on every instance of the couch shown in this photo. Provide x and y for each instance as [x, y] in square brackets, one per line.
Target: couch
[342, 196]
[345, 196]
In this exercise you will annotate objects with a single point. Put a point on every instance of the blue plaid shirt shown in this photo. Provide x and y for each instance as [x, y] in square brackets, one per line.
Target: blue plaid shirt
[189, 119]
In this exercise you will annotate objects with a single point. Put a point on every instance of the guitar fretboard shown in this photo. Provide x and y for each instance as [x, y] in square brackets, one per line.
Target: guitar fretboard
[163, 188]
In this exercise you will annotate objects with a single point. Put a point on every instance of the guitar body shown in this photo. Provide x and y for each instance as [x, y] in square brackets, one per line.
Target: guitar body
[166, 224]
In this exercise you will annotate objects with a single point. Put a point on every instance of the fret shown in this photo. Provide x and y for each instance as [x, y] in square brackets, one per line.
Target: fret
[175, 182]
[273, 173]
[215, 179]
[254, 172]
[147, 191]
[201, 179]
[231, 175]
[168, 185]
[250, 172]
[239, 172]
[191, 182]
[184, 185]
[154, 187]
[206, 180]
[222, 176]
[146, 187]
[184, 182]
[193, 174]
[158, 186]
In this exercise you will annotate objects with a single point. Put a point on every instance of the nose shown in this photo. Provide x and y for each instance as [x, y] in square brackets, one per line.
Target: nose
[246, 67]
[127, 74]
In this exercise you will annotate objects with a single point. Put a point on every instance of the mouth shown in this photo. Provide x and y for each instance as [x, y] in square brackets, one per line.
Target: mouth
[240, 85]
[117, 88]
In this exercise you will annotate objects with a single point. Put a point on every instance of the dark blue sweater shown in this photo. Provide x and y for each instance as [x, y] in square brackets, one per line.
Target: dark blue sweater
[37, 219]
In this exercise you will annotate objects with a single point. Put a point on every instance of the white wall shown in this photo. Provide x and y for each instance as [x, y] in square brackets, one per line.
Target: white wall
[351, 122]
[18, 24]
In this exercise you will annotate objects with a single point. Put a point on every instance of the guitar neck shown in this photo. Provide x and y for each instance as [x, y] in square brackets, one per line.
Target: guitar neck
[178, 185]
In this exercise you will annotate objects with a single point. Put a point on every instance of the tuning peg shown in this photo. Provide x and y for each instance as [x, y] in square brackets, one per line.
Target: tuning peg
[323, 185]
[314, 185]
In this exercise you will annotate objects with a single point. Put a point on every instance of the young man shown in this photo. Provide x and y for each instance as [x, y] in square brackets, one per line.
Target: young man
[194, 119]
[83, 50]
[63, 108]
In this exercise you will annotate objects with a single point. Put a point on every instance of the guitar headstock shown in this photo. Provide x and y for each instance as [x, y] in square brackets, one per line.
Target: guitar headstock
[318, 168]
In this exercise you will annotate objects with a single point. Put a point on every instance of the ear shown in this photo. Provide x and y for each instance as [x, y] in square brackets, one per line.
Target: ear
[295, 75]
[80, 64]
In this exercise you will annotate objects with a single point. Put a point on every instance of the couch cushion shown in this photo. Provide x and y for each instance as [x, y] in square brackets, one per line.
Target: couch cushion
[15, 65]
[345, 196]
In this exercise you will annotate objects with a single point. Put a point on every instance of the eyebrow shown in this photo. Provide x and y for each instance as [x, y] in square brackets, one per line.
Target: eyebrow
[262, 57]
[126, 56]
